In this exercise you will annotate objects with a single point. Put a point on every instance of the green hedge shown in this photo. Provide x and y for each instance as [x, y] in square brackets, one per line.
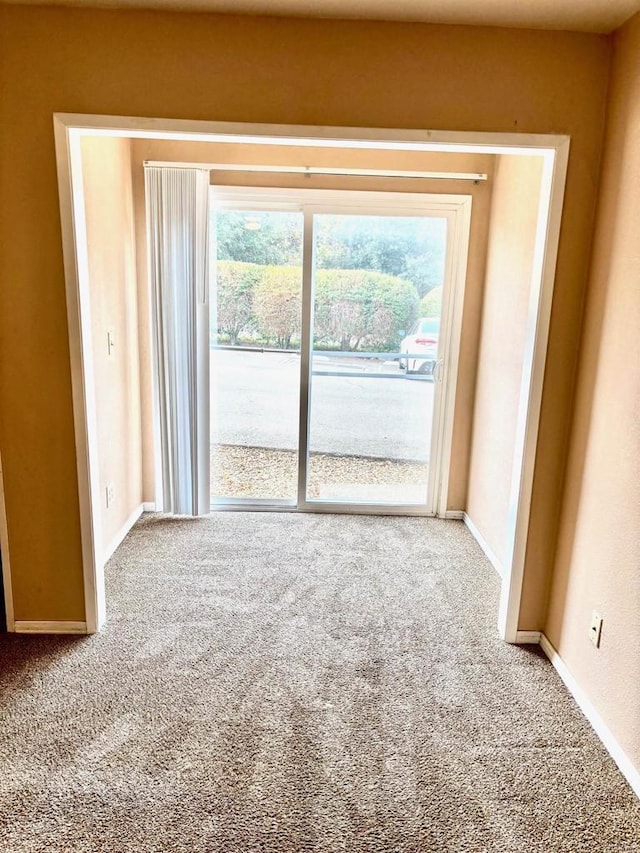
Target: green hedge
[277, 304]
[236, 283]
[431, 304]
[360, 309]
[354, 309]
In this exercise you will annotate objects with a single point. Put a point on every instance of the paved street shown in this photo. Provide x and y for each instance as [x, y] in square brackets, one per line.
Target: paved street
[254, 402]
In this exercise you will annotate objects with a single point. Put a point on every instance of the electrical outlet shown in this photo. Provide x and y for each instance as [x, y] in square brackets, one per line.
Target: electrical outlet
[111, 494]
[595, 632]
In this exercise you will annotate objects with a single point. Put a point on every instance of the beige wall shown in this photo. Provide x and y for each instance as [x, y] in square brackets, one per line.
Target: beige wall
[347, 158]
[257, 70]
[598, 558]
[106, 175]
[512, 234]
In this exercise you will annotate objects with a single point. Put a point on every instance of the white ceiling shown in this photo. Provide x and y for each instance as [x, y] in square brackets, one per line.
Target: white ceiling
[596, 16]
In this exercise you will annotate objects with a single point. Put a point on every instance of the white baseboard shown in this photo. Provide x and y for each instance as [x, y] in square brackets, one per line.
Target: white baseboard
[625, 765]
[44, 627]
[126, 527]
[489, 554]
[148, 506]
[457, 514]
[531, 638]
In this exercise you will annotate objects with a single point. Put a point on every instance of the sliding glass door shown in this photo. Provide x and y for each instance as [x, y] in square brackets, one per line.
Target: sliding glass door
[255, 326]
[371, 412]
[329, 335]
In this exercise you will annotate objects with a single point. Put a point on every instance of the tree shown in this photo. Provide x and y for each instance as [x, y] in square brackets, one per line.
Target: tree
[408, 247]
[277, 304]
[259, 237]
[235, 285]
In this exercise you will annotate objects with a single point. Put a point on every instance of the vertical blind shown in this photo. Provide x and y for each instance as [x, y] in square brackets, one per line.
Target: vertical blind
[177, 203]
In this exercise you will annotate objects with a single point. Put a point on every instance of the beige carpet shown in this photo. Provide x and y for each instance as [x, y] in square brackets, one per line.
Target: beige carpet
[286, 683]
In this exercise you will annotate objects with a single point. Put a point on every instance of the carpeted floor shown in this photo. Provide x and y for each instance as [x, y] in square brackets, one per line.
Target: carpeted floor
[281, 683]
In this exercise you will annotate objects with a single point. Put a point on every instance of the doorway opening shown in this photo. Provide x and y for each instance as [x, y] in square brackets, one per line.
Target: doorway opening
[327, 379]
[319, 352]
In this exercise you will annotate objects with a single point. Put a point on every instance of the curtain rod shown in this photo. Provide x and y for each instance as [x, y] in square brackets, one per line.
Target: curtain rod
[332, 171]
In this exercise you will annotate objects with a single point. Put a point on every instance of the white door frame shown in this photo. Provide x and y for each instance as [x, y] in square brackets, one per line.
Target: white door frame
[554, 149]
[456, 210]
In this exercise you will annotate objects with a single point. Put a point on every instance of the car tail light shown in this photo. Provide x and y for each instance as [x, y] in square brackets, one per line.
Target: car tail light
[425, 341]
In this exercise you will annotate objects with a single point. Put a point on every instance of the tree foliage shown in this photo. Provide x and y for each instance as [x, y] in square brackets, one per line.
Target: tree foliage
[269, 238]
[412, 248]
[409, 247]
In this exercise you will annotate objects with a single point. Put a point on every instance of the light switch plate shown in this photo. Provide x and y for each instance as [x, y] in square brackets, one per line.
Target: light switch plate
[595, 632]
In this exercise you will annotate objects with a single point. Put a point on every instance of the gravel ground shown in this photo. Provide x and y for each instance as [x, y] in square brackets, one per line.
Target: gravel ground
[255, 472]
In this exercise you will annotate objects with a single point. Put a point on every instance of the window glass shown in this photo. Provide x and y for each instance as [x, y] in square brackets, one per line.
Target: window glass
[430, 325]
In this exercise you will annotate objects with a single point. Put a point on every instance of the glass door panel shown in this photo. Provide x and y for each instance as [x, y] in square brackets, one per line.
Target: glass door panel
[256, 298]
[377, 296]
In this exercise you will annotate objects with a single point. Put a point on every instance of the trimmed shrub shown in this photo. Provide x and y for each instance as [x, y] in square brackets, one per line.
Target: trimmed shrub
[354, 309]
[235, 285]
[277, 304]
[431, 304]
[362, 309]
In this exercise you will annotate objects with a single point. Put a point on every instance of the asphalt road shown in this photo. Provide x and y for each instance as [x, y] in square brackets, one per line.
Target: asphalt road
[378, 413]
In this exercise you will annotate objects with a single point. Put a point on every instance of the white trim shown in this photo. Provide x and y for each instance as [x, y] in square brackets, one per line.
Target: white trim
[625, 765]
[70, 127]
[530, 638]
[482, 542]
[76, 274]
[396, 139]
[111, 548]
[530, 403]
[148, 506]
[45, 627]
[453, 514]
[6, 564]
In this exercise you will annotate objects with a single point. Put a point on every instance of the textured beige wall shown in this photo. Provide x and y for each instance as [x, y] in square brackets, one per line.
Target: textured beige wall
[204, 152]
[598, 558]
[258, 70]
[106, 174]
[512, 233]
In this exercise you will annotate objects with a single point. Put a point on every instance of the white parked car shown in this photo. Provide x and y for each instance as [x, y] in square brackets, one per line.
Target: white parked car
[420, 347]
